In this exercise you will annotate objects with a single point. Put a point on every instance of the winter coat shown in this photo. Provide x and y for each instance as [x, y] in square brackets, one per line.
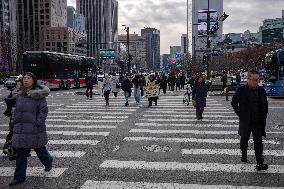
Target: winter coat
[89, 82]
[199, 94]
[240, 104]
[137, 81]
[30, 114]
[107, 85]
[115, 82]
[126, 85]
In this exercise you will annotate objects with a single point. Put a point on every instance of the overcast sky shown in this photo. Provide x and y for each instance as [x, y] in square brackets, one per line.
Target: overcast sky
[169, 16]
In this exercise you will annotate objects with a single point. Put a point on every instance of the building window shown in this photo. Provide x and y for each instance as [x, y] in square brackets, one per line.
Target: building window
[47, 16]
[46, 10]
[42, 17]
[47, 43]
[42, 23]
[46, 4]
[59, 36]
[47, 23]
[41, 11]
[65, 36]
[53, 44]
[47, 36]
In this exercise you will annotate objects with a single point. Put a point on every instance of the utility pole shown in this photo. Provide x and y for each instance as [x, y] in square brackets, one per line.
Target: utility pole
[208, 42]
[187, 36]
[128, 49]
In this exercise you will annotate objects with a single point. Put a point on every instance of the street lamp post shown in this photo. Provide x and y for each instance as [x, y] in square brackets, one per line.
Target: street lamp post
[128, 49]
[208, 41]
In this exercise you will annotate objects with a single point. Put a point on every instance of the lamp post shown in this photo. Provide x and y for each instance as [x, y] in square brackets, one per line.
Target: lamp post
[128, 49]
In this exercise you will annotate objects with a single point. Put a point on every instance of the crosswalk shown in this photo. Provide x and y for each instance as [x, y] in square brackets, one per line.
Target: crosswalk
[74, 125]
[201, 154]
[200, 149]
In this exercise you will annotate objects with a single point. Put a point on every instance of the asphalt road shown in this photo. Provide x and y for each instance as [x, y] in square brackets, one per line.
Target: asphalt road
[119, 147]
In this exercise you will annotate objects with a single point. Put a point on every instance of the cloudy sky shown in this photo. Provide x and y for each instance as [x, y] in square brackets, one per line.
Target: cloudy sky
[169, 16]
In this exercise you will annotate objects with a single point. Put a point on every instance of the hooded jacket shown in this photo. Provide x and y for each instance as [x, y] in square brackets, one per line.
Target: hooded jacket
[30, 115]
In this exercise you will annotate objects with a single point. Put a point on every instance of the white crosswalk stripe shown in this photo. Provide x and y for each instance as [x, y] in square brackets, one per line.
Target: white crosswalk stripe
[171, 123]
[98, 121]
[144, 185]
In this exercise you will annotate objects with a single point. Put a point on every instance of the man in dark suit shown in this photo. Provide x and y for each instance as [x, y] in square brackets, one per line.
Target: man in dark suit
[250, 104]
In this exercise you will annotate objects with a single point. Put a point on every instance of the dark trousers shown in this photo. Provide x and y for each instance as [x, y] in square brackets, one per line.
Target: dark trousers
[151, 99]
[258, 146]
[199, 112]
[22, 162]
[89, 92]
[177, 86]
[106, 95]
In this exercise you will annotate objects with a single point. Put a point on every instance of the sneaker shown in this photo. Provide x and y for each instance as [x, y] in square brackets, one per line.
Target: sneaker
[261, 167]
[126, 104]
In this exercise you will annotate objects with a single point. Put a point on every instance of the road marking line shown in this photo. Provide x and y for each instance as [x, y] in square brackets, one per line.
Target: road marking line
[187, 112]
[145, 124]
[75, 133]
[189, 120]
[194, 140]
[232, 152]
[200, 167]
[189, 116]
[196, 132]
[77, 126]
[90, 184]
[96, 109]
[84, 121]
[33, 172]
[91, 112]
[157, 108]
[107, 107]
[59, 154]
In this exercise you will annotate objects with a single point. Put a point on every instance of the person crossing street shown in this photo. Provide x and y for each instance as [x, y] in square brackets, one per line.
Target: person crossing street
[251, 105]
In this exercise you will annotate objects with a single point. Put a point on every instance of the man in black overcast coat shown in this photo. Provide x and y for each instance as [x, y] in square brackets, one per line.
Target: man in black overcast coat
[250, 104]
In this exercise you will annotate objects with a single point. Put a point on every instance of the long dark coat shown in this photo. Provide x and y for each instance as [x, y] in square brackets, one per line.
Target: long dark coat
[240, 104]
[29, 123]
[199, 94]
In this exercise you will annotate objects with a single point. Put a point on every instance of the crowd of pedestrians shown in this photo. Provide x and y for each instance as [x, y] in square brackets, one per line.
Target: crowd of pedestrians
[27, 128]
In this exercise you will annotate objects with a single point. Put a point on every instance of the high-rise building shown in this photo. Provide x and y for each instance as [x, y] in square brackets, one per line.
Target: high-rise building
[101, 24]
[175, 51]
[76, 20]
[272, 30]
[8, 35]
[35, 15]
[137, 48]
[199, 24]
[152, 37]
[184, 44]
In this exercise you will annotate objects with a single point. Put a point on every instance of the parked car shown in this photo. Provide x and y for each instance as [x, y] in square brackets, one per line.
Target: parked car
[10, 82]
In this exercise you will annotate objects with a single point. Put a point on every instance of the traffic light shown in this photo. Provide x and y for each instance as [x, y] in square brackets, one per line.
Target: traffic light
[204, 60]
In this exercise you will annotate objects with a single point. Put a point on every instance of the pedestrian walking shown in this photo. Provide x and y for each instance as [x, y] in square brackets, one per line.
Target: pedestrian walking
[226, 92]
[137, 82]
[143, 84]
[199, 94]
[90, 84]
[126, 87]
[107, 86]
[152, 83]
[115, 85]
[182, 81]
[10, 102]
[29, 127]
[163, 84]
[178, 82]
[251, 106]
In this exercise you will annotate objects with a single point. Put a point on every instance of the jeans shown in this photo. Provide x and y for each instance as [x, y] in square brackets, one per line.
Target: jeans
[21, 161]
[126, 95]
[91, 92]
[137, 94]
[258, 146]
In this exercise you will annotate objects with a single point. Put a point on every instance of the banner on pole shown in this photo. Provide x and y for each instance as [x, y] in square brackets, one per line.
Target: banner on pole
[152, 91]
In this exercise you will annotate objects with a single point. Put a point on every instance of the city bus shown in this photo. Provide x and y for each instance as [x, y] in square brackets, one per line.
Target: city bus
[58, 70]
[274, 84]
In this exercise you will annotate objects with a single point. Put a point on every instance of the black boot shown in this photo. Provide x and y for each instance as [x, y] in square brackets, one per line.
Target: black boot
[15, 182]
[126, 104]
[261, 167]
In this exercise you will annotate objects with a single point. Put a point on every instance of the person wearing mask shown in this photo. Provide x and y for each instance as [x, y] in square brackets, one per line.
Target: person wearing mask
[199, 94]
[29, 127]
[126, 87]
[251, 105]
